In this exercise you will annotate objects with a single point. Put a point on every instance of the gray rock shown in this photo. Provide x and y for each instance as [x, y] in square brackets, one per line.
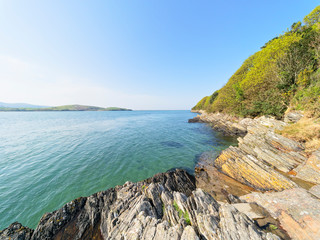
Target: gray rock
[152, 209]
[16, 232]
[293, 117]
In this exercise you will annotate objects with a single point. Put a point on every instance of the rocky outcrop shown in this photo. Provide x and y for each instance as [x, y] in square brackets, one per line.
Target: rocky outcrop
[167, 206]
[264, 161]
[251, 171]
[227, 124]
[16, 232]
[297, 210]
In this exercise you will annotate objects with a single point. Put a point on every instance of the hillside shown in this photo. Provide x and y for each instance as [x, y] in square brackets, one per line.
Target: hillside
[66, 108]
[284, 74]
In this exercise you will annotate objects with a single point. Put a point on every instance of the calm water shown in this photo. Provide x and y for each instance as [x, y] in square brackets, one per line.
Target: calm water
[50, 158]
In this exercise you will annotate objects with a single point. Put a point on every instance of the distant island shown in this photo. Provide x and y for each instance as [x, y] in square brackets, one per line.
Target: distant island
[74, 107]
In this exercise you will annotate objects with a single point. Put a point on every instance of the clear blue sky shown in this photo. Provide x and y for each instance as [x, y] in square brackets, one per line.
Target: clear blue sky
[140, 54]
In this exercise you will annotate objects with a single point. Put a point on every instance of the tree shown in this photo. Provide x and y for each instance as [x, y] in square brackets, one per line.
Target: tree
[312, 17]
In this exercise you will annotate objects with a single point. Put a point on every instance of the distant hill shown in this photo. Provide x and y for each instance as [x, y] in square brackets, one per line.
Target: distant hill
[63, 108]
[20, 105]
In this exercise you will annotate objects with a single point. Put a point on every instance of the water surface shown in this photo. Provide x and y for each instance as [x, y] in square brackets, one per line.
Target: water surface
[50, 158]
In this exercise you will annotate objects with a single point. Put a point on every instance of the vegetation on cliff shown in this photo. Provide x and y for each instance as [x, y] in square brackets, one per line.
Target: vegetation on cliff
[284, 74]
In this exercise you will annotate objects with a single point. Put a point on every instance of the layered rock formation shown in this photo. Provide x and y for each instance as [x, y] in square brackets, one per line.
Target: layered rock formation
[267, 161]
[167, 206]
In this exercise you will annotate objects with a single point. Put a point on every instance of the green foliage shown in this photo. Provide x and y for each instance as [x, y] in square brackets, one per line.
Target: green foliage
[187, 218]
[182, 213]
[213, 97]
[201, 104]
[308, 96]
[273, 227]
[280, 75]
[312, 17]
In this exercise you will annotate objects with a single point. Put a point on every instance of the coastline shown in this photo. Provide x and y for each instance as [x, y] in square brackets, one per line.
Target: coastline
[229, 195]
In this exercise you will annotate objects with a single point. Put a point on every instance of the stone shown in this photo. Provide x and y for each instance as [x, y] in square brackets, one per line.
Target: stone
[315, 191]
[293, 116]
[247, 209]
[310, 170]
[166, 206]
[297, 210]
[16, 232]
[251, 171]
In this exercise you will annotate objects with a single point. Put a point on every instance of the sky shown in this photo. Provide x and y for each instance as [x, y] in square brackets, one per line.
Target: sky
[138, 54]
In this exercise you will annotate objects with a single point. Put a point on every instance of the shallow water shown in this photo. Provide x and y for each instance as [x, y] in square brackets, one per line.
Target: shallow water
[50, 158]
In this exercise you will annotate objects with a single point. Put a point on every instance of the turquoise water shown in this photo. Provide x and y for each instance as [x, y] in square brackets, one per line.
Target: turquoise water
[50, 158]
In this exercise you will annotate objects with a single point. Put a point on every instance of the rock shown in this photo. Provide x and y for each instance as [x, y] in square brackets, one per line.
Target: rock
[297, 210]
[16, 232]
[167, 206]
[310, 170]
[236, 225]
[251, 171]
[227, 124]
[263, 159]
[315, 191]
[219, 185]
[247, 209]
[189, 234]
[293, 117]
[273, 149]
[194, 120]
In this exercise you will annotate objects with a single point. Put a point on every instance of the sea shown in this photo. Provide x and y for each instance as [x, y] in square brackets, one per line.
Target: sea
[50, 158]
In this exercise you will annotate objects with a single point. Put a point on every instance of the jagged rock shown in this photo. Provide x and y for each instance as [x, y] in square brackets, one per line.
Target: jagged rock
[262, 155]
[273, 149]
[236, 225]
[178, 180]
[217, 184]
[16, 232]
[249, 170]
[297, 210]
[310, 170]
[227, 124]
[151, 209]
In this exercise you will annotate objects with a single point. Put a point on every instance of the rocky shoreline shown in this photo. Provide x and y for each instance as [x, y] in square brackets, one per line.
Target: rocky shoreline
[266, 169]
[267, 188]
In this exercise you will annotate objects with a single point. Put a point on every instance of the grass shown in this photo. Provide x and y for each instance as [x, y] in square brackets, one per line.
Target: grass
[273, 227]
[181, 213]
[306, 130]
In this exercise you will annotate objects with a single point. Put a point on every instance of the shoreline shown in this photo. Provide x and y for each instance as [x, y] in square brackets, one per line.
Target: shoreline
[236, 186]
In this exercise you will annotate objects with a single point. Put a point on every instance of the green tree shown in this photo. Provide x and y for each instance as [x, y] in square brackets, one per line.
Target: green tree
[313, 17]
